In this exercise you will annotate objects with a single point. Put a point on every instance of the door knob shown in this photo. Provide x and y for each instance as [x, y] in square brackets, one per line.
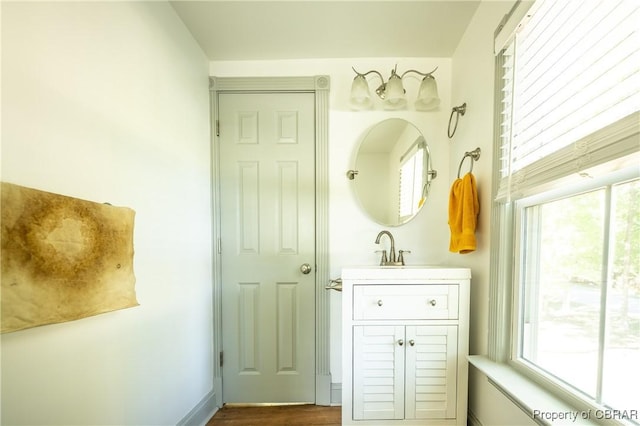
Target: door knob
[305, 268]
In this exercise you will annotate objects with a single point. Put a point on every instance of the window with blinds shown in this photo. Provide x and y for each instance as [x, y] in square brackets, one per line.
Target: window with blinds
[572, 70]
[566, 248]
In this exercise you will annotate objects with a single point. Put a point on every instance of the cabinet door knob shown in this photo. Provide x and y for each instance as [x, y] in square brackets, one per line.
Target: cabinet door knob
[412, 342]
[380, 302]
[432, 302]
[400, 342]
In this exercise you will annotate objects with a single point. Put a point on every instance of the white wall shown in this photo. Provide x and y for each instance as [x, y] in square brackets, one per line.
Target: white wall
[108, 101]
[351, 233]
[473, 83]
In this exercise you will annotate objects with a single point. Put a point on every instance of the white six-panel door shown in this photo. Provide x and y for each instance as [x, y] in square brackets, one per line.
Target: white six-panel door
[266, 163]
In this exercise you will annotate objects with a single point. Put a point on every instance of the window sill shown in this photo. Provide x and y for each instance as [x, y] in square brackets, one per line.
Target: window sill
[539, 404]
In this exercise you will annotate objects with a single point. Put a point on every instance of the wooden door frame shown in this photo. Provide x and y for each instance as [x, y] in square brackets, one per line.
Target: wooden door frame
[319, 86]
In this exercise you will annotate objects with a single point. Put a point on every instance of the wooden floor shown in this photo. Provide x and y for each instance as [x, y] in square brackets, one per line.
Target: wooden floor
[276, 416]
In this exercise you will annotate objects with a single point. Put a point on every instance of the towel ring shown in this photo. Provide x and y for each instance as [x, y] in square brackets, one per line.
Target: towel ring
[474, 155]
[459, 110]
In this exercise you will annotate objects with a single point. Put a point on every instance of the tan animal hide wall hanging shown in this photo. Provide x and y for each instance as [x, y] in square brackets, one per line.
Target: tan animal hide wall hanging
[62, 258]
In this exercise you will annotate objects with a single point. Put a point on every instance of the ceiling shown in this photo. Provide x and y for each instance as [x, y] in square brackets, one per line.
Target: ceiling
[307, 29]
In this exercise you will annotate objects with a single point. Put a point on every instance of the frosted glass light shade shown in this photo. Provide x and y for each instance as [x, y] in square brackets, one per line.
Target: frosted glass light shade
[394, 97]
[360, 96]
[427, 95]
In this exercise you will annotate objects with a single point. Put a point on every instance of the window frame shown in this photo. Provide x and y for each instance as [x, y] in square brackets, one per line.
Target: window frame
[529, 369]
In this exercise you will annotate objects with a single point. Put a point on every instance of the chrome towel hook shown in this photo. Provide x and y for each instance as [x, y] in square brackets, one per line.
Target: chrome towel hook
[474, 155]
[458, 111]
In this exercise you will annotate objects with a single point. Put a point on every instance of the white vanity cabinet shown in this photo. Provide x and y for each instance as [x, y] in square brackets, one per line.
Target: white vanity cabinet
[405, 334]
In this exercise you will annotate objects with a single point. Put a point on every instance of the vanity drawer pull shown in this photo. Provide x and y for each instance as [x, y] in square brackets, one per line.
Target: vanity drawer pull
[432, 302]
[379, 302]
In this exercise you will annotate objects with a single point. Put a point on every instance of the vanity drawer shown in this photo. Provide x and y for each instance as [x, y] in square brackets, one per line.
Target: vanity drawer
[401, 301]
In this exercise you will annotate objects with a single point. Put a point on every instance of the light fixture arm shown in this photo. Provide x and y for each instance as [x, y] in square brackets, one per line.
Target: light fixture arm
[418, 72]
[367, 73]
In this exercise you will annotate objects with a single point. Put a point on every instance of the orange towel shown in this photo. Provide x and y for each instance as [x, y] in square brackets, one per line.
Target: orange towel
[463, 214]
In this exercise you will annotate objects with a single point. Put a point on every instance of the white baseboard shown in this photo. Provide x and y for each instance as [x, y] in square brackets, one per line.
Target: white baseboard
[472, 420]
[201, 413]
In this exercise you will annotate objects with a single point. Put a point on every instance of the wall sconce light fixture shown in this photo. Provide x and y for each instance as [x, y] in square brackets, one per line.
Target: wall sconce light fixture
[392, 91]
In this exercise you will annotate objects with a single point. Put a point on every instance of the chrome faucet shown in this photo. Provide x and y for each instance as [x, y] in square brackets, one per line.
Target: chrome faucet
[392, 255]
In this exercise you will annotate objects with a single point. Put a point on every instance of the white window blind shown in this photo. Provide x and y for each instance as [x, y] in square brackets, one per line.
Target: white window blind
[571, 80]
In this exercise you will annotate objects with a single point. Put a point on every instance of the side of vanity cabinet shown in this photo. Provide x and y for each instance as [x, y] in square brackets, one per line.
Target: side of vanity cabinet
[405, 338]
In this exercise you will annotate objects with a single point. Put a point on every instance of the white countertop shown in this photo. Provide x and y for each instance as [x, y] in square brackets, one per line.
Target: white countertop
[408, 272]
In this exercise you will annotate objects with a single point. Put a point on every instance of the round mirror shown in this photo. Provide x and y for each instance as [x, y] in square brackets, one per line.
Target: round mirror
[393, 172]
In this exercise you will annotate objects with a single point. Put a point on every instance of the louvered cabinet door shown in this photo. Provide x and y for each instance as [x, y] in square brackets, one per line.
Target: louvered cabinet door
[378, 372]
[431, 371]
